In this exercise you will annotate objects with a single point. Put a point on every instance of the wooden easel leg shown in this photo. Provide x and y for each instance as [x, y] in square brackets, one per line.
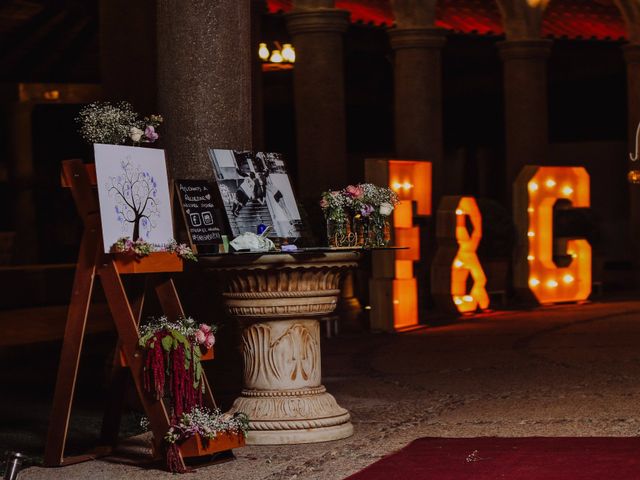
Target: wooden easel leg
[126, 324]
[172, 308]
[71, 349]
[118, 382]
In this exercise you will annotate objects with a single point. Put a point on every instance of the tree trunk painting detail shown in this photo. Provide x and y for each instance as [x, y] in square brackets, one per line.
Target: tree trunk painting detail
[136, 195]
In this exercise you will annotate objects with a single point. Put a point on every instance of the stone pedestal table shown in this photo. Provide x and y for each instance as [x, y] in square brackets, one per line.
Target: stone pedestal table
[278, 298]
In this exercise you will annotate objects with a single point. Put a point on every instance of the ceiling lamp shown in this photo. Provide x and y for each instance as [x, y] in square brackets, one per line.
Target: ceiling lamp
[281, 57]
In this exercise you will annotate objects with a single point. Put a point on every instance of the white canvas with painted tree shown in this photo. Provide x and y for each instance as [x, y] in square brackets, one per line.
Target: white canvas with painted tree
[133, 190]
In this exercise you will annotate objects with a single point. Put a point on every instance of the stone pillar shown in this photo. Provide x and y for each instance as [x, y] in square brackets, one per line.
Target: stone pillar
[204, 80]
[258, 9]
[418, 97]
[128, 44]
[318, 79]
[525, 100]
[632, 59]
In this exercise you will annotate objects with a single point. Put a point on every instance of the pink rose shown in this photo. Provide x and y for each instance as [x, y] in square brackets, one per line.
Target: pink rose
[354, 191]
[201, 337]
[324, 203]
[209, 341]
[205, 328]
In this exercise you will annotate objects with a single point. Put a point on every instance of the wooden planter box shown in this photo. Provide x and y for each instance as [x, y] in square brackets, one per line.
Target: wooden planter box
[207, 355]
[157, 262]
[195, 447]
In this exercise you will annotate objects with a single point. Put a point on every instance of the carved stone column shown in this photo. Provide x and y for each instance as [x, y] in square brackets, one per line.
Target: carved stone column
[318, 81]
[525, 103]
[204, 57]
[277, 300]
[418, 97]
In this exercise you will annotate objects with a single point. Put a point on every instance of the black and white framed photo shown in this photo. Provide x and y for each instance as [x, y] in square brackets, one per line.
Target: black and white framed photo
[255, 189]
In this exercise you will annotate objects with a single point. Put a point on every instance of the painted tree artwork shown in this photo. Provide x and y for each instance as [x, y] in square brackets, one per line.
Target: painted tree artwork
[134, 194]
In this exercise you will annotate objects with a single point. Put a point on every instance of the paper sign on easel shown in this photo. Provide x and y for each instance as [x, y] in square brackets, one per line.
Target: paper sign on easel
[133, 191]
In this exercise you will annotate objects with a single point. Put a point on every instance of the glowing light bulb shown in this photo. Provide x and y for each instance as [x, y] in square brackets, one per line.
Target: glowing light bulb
[567, 191]
[288, 53]
[568, 278]
[396, 302]
[459, 212]
[533, 186]
[263, 51]
[530, 257]
[276, 57]
[457, 300]
[534, 282]
[458, 263]
[552, 284]
[531, 234]
[550, 183]
[407, 186]
[397, 186]
[530, 210]
[467, 298]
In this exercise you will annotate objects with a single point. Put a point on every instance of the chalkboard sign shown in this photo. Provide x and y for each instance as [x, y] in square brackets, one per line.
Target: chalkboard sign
[200, 216]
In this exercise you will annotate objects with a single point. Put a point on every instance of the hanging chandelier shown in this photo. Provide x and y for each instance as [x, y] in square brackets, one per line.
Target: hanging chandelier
[282, 57]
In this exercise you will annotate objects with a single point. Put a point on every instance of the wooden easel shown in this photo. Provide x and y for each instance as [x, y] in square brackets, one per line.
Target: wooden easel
[91, 262]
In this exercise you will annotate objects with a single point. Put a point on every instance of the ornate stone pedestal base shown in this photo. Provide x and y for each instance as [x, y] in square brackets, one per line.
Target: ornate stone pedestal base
[295, 416]
[275, 298]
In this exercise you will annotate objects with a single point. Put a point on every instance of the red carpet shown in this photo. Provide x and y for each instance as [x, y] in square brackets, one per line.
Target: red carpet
[531, 458]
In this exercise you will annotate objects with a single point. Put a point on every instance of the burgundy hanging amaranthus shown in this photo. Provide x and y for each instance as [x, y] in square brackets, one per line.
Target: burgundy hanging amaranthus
[173, 361]
[173, 369]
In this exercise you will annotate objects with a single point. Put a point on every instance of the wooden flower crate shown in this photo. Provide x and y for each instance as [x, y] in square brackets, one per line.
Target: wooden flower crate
[196, 447]
[207, 355]
[156, 262]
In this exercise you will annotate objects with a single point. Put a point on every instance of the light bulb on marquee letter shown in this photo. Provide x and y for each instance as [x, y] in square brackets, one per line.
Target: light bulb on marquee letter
[534, 269]
[456, 260]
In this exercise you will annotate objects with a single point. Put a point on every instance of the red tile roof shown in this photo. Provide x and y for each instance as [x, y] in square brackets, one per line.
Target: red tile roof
[597, 19]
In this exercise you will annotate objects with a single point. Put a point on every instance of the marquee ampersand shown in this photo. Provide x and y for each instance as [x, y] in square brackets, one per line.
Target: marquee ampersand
[456, 263]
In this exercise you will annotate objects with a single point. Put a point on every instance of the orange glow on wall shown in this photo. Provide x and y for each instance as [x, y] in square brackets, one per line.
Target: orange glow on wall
[456, 263]
[536, 191]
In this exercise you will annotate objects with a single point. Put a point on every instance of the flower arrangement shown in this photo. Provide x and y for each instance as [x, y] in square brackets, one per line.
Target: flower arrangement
[205, 423]
[181, 250]
[140, 248]
[364, 208]
[117, 124]
[173, 352]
